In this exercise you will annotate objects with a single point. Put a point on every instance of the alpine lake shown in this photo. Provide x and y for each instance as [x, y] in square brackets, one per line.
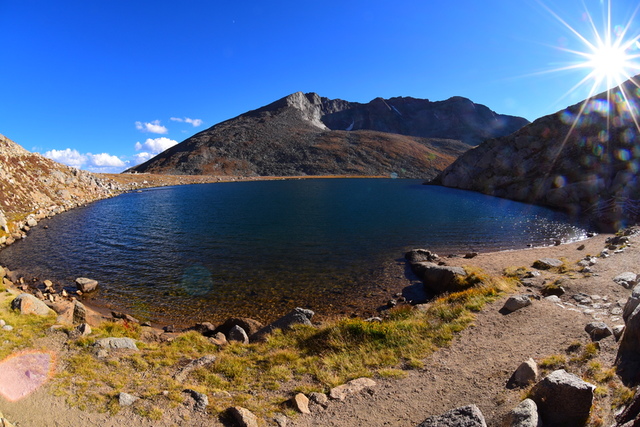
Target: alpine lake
[186, 254]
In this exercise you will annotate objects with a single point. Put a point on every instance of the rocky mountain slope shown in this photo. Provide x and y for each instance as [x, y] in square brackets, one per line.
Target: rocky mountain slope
[583, 159]
[304, 134]
[32, 187]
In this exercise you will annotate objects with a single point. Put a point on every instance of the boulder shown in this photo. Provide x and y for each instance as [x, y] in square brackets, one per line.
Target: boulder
[86, 285]
[238, 334]
[440, 278]
[354, 386]
[525, 374]
[465, 416]
[523, 415]
[598, 330]
[243, 417]
[563, 399]
[632, 303]
[517, 302]
[28, 304]
[628, 357]
[205, 328]
[419, 255]
[319, 398]
[627, 279]
[297, 316]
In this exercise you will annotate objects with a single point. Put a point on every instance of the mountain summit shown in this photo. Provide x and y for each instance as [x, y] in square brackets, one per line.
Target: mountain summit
[305, 134]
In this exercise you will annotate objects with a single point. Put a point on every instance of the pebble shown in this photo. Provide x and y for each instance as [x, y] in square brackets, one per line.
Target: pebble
[7, 328]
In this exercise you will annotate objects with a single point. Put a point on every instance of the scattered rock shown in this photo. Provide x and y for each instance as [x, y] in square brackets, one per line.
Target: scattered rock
[117, 343]
[124, 316]
[219, 339]
[630, 413]
[517, 302]
[86, 285]
[201, 400]
[236, 333]
[617, 331]
[354, 386]
[243, 417]
[205, 328]
[523, 415]
[182, 373]
[547, 263]
[598, 330]
[126, 399]
[563, 399]
[627, 279]
[250, 326]
[470, 255]
[301, 403]
[525, 374]
[466, 416]
[82, 330]
[28, 304]
[580, 248]
[298, 316]
[319, 398]
[631, 303]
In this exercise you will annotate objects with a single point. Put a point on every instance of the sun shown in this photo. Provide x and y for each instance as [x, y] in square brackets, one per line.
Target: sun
[608, 53]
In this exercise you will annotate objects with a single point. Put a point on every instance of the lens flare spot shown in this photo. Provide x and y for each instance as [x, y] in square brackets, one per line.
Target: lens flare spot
[560, 181]
[603, 136]
[623, 155]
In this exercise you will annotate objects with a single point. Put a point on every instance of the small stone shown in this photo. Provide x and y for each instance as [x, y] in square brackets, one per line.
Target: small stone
[598, 330]
[218, 339]
[301, 403]
[547, 263]
[354, 386]
[526, 373]
[319, 398]
[201, 400]
[243, 416]
[517, 302]
[617, 331]
[7, 328]
[126, 399]
[523, 415]
[627, 279]
[117, 343]
[467, 416]
[79, 313]
[280, 420]
[2, 322]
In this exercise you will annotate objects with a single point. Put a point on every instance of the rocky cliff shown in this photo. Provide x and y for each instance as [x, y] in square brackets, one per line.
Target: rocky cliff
[305, 134]
[583, 159]
[33, 187]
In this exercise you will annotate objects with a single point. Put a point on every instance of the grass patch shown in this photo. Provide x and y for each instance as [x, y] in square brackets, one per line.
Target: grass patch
[305, 357]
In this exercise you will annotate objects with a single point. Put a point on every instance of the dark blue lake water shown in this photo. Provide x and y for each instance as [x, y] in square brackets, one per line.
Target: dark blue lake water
[206, 252]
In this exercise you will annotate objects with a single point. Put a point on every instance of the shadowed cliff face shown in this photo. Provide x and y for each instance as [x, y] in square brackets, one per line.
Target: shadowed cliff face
[583, 159]
[304, 134]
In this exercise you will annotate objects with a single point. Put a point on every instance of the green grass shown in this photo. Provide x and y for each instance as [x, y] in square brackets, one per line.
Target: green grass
[303, 358]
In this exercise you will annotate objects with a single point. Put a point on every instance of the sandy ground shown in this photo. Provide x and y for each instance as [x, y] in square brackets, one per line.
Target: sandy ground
[474, 369]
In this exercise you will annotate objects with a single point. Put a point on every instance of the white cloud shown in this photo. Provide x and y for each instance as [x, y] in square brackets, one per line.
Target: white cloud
[104, 159]
[153, 127]
[141, 157]
[193, 122]
[156, 145]
[67, 157]
[102, 162]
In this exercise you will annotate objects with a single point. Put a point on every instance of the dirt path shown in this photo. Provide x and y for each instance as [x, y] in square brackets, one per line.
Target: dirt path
[474, 369]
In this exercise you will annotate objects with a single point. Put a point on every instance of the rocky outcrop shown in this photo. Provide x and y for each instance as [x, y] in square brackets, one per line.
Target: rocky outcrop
[465, 416]
[440, 278]
[581, 159]
[305, 134]
[33, 187]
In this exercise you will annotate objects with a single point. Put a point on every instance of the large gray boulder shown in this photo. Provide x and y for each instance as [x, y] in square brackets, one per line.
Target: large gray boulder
[523, 415]
[117, 343]
[628, 357]
[465, 416]
[28, 304]
[297, 316]
[86, 285]
[516, 302]
[440, 278]
[632, 303]
[563, 399]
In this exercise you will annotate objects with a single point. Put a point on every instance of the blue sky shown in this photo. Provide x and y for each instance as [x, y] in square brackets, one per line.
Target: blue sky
[102, 85]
